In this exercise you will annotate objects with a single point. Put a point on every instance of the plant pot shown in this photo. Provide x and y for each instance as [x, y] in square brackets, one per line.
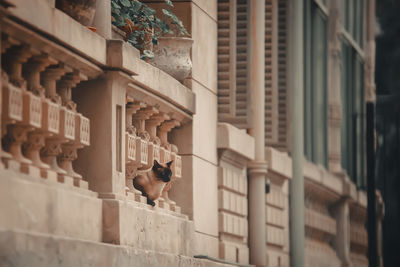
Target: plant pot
[81, 10]
[172, 55]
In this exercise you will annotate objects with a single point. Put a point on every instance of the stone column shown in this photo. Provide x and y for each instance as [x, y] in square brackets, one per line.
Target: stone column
[258, 167]
[102, 18]
[370, 90]
[342, 239]
[334, 76]
[296, 191]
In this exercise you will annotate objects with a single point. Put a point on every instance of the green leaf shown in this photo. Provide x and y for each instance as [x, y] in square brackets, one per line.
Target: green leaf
[169, 2]
[147, 54]
[126, 3]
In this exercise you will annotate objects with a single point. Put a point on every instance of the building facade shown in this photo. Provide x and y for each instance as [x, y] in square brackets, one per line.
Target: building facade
[81, 113]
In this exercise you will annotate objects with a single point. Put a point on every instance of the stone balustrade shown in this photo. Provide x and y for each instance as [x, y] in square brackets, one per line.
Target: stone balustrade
[147, 140]
[41, 127]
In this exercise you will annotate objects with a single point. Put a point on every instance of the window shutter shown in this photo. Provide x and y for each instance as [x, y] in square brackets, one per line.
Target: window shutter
[282, 67]
[234, 100]
[271, 72]
[226, 58]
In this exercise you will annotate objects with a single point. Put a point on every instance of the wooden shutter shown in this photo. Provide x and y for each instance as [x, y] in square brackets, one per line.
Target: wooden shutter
[271, 72]
[234, 98]
[282, 67]
[226, 58]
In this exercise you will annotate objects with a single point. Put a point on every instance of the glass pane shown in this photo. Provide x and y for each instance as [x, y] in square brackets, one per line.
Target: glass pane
[352, 128]
[319, 103]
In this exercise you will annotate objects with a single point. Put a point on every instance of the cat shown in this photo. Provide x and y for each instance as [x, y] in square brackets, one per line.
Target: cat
[152, 182]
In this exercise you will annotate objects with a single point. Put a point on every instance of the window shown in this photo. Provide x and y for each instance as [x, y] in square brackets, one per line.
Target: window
[352, 92]
[352, 14]
[315, 90]
[352, 128]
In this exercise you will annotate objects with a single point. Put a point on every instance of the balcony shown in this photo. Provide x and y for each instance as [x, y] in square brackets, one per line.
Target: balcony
[81, 116]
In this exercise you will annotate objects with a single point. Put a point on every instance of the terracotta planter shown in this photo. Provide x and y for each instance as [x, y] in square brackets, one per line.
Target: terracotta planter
[81, 10]
[172, 55]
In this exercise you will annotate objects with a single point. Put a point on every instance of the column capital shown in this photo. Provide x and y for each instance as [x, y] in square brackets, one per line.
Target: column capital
[257, 167]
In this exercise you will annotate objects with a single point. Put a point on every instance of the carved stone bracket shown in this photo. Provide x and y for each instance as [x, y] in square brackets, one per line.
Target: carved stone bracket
[49, 80]
[153, 123]
[132, 108]
[32, 70]
[67, 156]
[50, 152]
[16, 136]
[65, 85]
[139, 121]
[15, 57]
[163, 131]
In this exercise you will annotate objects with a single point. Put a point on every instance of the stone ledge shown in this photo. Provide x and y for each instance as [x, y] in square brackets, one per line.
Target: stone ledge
[230, 137]
[163, 85]
[60, 26]
[26, 249]
[126, 223]
[280, 164]
[122, 55]
[34, 204]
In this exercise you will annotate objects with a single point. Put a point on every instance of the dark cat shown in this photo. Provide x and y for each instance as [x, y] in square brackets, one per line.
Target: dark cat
[152, 183]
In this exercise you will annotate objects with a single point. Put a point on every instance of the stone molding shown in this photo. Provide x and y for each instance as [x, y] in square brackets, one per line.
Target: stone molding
[231, 138]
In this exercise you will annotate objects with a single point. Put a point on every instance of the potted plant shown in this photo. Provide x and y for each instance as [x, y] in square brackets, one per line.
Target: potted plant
[81, 10]
[153, 35]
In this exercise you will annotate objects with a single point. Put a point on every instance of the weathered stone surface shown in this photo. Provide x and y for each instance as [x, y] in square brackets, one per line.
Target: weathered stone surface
[145, 227]
[43, 206]
[204, 52]
[58, 24]
[164, 85]
[205, 245]
[20, 249]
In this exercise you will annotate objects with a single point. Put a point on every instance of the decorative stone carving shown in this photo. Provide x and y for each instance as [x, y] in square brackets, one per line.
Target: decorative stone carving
[65, 85]
[139, 121]
[74, 126]
[50, 112]
[163, 131]
[167, 155]
[135, 150]
[65, 159]
[16, 136]
[49, 80]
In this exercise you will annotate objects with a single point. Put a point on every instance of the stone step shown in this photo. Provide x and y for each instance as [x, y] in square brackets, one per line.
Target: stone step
[19, 249]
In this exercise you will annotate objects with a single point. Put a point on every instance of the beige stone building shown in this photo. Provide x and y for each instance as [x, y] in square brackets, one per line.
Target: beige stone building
[271, 80]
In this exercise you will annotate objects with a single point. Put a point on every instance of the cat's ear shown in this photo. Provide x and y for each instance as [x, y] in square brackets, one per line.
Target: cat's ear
[156, 164]
[169, 163]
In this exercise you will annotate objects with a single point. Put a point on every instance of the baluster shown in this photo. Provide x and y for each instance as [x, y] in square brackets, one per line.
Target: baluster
[21, 108]
[52, 147]
[163, 131]
[36, 138]
[132, 164]
[75, 123]
[4, 87]
[139, 121]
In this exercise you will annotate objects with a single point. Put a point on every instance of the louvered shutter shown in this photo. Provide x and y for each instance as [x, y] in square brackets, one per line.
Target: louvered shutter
[226, 58]
[234, 100]
[271, 72]
[282, 81]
